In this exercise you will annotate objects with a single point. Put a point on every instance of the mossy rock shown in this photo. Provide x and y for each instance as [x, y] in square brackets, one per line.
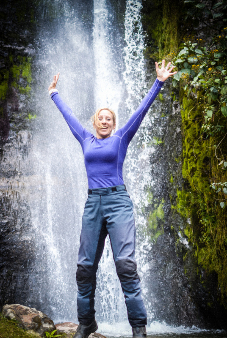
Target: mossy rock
[10, 329]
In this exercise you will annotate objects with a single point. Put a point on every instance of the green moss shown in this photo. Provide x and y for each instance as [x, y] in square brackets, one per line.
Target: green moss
[10, 329]
[4, 80]
[167, 24]
[3, 90]
[160, 96]
[155, 220]
[31, 117]
[24, 90]
[22, 68]
[161, 21]
[198, 201]
[156, 140]
[19, 68]
[16, 70]
[26, 69]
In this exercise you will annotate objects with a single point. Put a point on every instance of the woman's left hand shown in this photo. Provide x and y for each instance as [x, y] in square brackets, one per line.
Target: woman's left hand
[164, 73]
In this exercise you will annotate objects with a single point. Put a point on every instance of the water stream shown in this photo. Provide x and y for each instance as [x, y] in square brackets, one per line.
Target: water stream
[92, 75]
[98, 50]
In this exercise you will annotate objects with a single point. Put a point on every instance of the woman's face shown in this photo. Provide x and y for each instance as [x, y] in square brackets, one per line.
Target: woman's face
[106, 124]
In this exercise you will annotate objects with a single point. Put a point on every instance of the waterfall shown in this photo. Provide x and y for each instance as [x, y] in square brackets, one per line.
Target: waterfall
[97, 46]
[108, 93]
[98, 67]
[110, 299]
[58, 165]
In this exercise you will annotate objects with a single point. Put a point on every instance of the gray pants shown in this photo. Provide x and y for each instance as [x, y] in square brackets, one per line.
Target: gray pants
[109, 211]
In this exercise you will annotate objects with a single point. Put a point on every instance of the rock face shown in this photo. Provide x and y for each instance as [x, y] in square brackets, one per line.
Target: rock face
[67, 327]
[17, 252]
[70, 328]
[29, 318]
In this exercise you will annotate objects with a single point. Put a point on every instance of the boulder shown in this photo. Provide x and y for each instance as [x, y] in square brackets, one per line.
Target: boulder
[70, 328]
[29, 318]
[67, 327]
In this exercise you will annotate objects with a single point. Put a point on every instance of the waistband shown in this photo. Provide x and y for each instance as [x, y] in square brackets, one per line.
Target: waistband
[105, 191]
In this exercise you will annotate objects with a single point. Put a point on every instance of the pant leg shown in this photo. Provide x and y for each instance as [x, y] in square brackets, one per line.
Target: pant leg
[121, 229]
[92, 241]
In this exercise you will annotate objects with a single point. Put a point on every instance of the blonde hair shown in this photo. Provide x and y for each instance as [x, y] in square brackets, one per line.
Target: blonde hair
[95, 117]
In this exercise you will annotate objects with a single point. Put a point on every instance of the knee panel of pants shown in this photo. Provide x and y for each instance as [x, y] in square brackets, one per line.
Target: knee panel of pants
[85, 274]
[126, 270]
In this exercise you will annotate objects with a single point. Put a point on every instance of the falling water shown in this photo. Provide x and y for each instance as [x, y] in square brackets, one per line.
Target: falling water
[92, 75]
[58, 164]
[110, 299]
[97, 47]
[108, 93]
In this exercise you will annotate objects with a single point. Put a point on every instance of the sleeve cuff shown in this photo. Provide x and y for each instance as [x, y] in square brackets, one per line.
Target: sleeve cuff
[53, 91]
[161, 83]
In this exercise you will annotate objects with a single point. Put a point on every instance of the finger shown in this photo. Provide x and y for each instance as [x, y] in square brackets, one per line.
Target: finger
[156, 66]
[169, 64]
[163, 63]
[171, 74]
[170, 70]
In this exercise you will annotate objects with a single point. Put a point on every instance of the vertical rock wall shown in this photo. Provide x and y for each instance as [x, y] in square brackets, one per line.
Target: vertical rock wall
[188, 294]
[16, 52]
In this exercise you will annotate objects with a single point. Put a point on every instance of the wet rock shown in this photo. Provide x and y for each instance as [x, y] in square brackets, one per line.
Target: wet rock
[67, 327]
[96, 335]
[29, 318]
[70, 328]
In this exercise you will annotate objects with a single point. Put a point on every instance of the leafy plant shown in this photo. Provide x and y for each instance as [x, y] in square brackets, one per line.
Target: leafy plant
[52, 334]
[218, 187]
[202, 79]
[31, 117]
[204, 69]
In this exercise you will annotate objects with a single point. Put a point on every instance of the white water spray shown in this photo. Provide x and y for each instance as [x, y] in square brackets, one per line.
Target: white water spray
[108, 93]
[59, 167]
[57, 158]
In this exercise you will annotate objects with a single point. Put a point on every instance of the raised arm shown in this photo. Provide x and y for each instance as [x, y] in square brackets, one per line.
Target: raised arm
[76, 128]
[131, 127]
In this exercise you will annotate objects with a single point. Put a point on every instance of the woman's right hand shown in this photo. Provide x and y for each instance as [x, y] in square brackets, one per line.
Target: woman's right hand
[54, 83]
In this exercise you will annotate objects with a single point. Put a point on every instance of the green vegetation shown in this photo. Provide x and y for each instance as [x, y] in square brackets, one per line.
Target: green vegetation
[52, 334]
[163, 33]
[155, 218]
[156, 140]
[198, 48]
[202, 75]
[31, 117]
[17, 75]
[10, 329]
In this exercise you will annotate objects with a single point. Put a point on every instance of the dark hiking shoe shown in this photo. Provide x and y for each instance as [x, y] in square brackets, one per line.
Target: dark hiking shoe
[139, 332]
[83, 331]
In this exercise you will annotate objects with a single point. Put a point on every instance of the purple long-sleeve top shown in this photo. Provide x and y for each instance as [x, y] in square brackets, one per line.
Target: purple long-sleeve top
[104, 157]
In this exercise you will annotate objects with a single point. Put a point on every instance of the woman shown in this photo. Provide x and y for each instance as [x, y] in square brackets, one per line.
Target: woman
[108, 209]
